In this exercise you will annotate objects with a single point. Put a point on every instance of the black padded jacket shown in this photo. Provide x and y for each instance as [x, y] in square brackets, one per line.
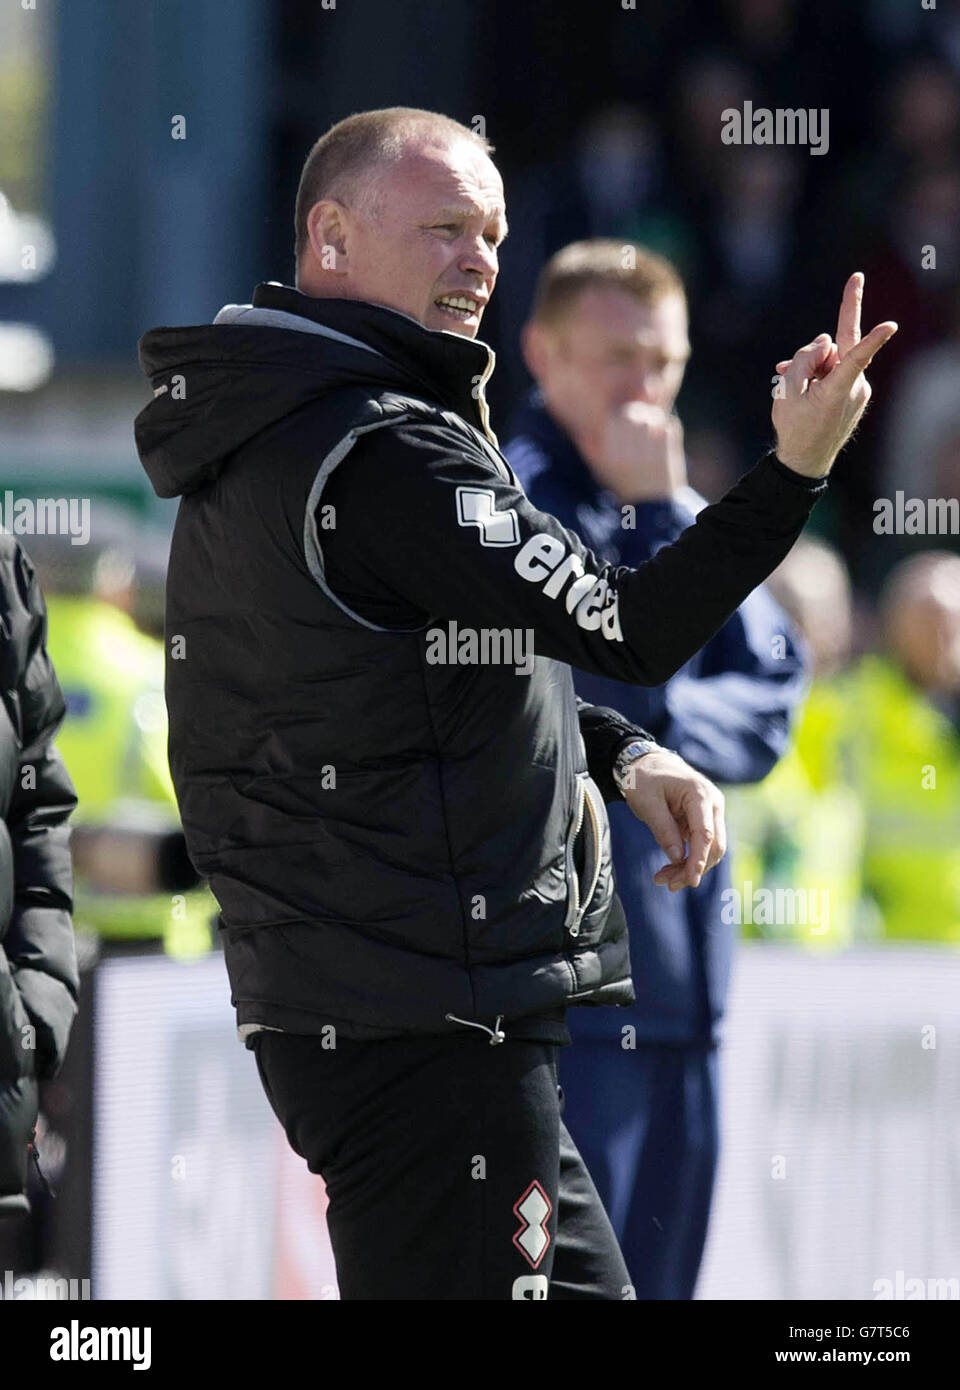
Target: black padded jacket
[401, 817]
[38, 964]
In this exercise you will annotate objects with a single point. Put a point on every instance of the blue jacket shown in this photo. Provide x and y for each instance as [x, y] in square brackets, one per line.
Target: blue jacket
[728, 712]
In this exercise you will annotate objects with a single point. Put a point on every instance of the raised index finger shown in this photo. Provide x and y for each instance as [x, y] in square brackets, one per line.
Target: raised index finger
[848, 323]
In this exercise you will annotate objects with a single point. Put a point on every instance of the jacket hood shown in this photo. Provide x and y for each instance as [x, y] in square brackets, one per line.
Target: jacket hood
[217, 385]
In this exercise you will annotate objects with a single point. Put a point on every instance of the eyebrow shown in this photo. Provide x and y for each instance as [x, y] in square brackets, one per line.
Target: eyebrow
[465, 210]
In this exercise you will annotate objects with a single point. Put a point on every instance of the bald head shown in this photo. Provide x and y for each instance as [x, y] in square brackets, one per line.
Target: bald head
[402, 208]
[345, 161]
[920, 619]
[813, 586]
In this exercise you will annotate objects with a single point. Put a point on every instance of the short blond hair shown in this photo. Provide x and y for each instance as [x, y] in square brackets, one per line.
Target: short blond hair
[602, 262]
[356, 144]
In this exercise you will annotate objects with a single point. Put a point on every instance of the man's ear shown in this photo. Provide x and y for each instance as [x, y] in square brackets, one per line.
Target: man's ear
[535, 344]
[327, 230]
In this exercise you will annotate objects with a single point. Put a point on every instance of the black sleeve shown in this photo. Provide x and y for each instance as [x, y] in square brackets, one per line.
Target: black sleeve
[426, 520]
[605, 731]
[39, 942]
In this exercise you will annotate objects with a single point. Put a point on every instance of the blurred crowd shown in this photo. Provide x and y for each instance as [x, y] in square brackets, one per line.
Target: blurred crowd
[765, 235]
[862, 816]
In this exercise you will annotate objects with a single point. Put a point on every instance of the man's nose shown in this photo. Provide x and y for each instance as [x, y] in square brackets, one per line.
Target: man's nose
[647, 387]
[480, 258]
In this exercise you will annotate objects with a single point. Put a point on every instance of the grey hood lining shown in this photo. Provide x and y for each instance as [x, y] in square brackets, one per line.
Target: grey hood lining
[248, 314]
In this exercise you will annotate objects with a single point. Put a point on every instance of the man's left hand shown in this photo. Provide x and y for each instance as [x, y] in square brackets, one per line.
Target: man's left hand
[684, 810]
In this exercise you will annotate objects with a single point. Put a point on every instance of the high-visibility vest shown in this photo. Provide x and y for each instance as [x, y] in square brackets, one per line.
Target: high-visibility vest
[797, 838]
[114, 743]
[868, 801]
[902, 754]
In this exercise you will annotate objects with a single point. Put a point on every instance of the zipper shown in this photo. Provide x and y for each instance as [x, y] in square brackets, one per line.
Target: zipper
[574, 913]
[32, 1147]
[579, 900]
[482, 399]
[594, 819]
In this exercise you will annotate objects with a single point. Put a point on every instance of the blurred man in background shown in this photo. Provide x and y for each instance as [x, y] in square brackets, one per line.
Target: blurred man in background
[902, 749]
[597, 444]
[38, 966]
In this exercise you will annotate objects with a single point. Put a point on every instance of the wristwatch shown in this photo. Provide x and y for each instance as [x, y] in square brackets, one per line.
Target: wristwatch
[629, 753]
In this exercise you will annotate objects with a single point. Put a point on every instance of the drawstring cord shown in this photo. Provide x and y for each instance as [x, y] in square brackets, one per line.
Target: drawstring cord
[36, 1159]
[497, 1035]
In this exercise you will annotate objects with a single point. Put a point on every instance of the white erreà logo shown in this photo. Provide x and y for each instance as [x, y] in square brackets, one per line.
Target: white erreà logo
[476, 506]
[595, 605]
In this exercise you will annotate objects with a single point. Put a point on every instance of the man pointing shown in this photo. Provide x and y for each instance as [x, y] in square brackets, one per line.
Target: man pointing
[412, 857]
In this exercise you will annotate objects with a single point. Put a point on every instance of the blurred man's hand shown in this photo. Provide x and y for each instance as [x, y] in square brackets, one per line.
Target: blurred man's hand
[825, 391]
[679, 805]
[639, 453]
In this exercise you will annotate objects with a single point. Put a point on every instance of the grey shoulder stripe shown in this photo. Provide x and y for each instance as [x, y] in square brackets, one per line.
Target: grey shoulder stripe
[312, 550]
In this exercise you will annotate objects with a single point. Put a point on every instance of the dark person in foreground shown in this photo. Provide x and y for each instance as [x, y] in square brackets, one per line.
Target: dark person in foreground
[38, 960]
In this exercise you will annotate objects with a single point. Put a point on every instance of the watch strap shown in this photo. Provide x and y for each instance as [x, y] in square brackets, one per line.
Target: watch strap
[635, 748]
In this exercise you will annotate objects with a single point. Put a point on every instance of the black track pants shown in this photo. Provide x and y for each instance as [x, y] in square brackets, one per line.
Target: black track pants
[449, 1172]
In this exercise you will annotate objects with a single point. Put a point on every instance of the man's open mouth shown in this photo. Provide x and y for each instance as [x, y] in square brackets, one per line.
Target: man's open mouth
[459, 306]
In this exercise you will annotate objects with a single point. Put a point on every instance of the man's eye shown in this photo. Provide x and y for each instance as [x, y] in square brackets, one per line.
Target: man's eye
[444, 227]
